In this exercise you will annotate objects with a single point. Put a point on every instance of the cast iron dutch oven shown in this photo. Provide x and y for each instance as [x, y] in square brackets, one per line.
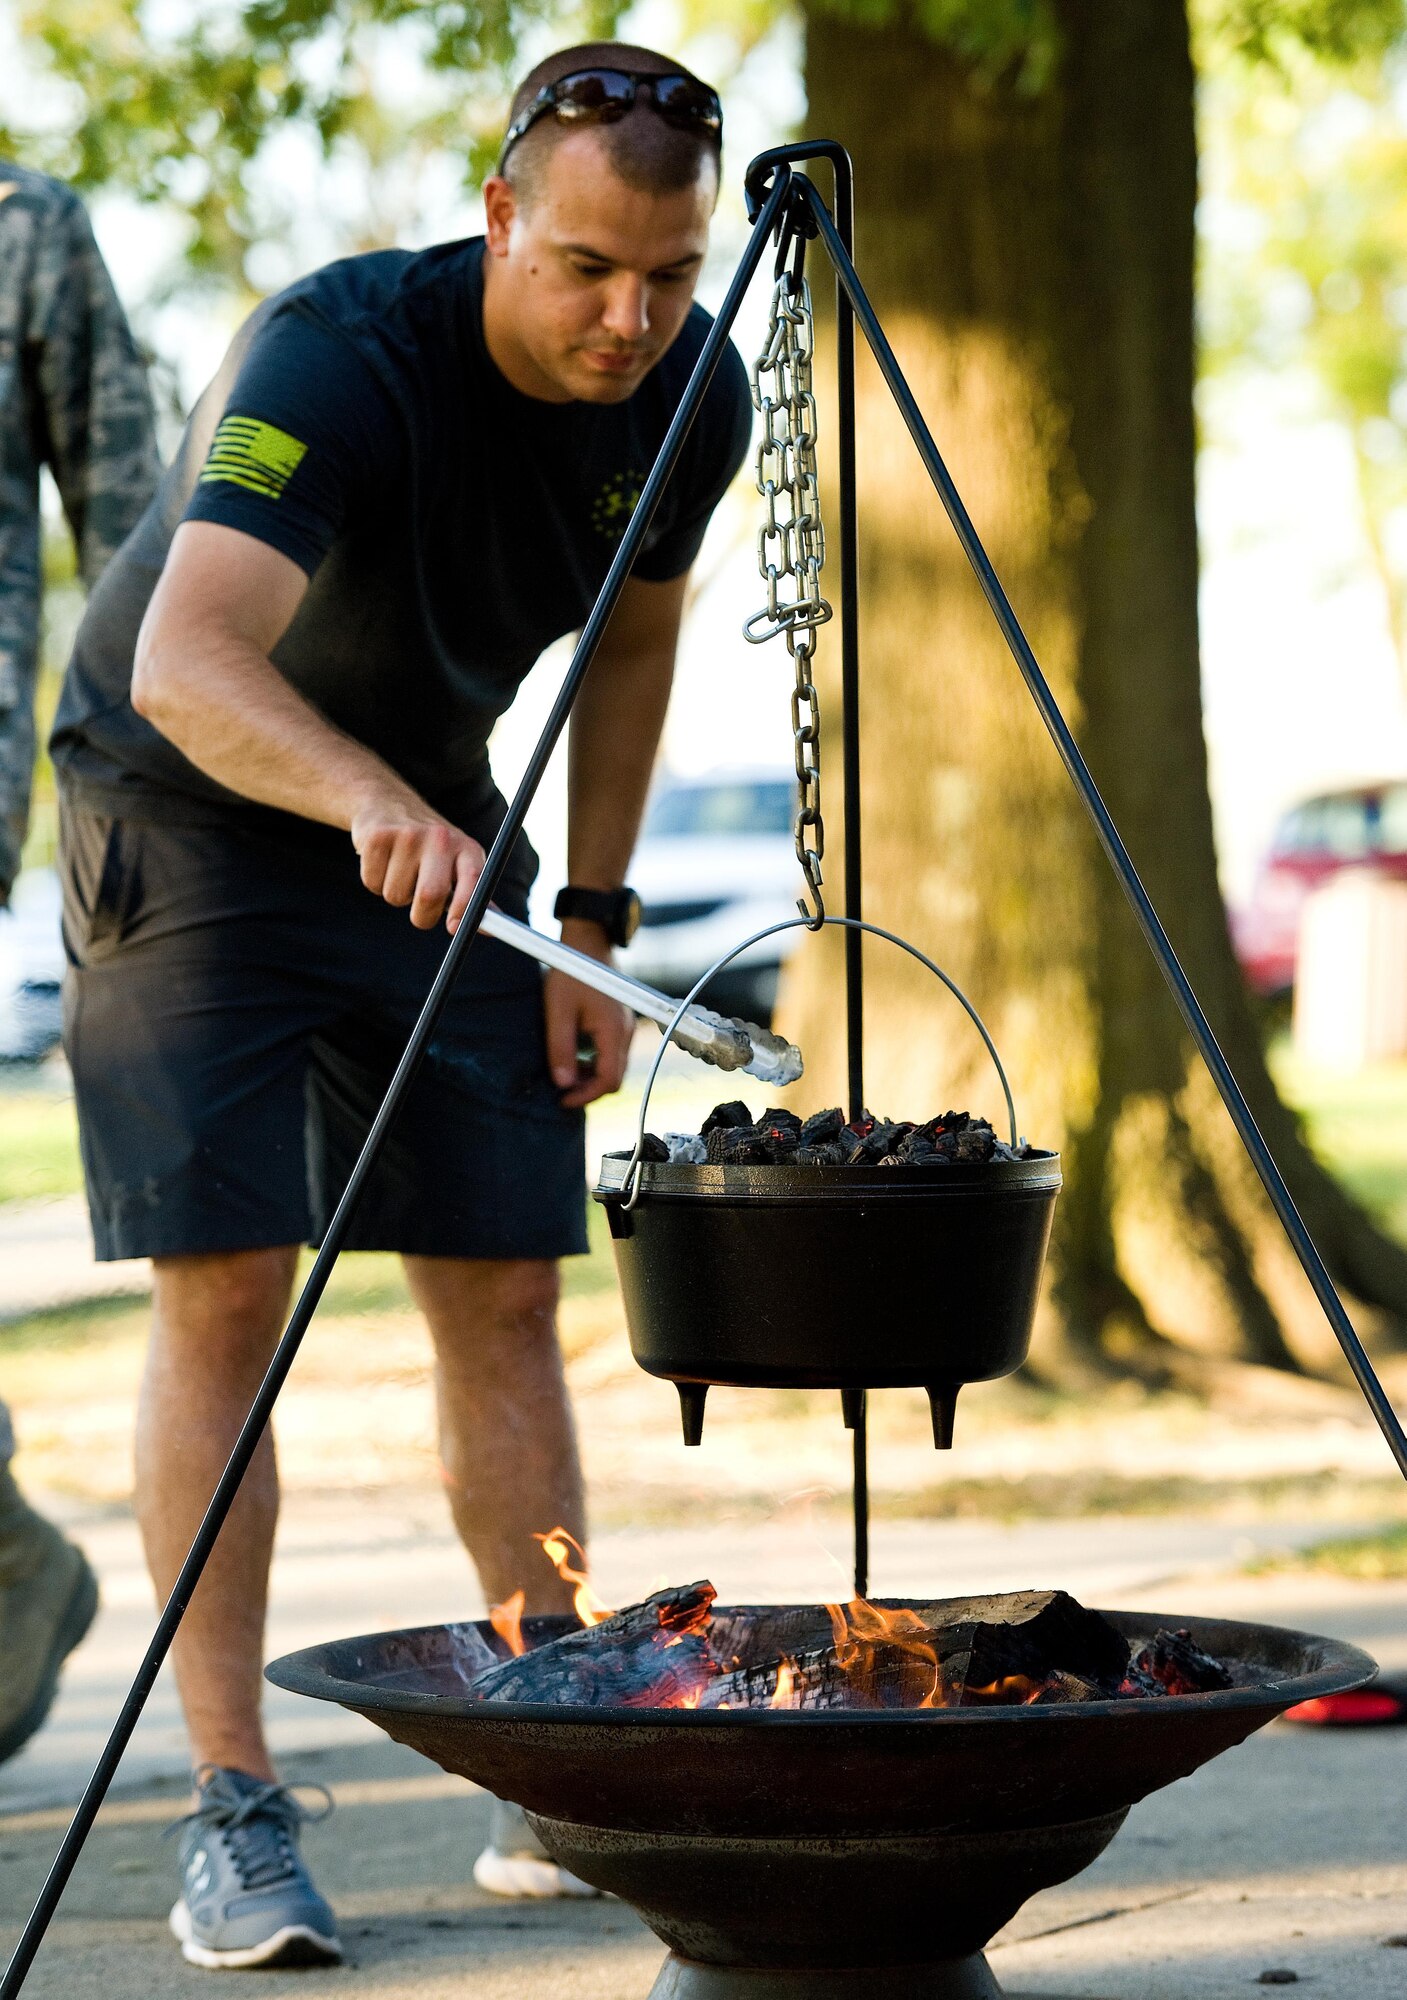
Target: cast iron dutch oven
[832, 1277]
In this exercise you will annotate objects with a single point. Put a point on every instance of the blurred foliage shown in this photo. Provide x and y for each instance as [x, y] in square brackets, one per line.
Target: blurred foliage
[181, 105]
[1281, 32]
[1307, 256]
[177, 107]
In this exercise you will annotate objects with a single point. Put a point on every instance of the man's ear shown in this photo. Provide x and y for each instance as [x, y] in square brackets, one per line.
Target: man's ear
[500, 207]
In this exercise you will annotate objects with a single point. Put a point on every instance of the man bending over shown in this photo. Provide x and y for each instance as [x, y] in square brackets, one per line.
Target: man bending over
[407, 479]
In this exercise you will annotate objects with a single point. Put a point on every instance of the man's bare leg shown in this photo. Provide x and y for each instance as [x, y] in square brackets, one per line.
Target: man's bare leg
[507, 1438]
[215, 1320]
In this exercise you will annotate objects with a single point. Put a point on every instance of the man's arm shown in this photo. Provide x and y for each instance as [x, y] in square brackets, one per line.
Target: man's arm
[615, 732]
[204, 678]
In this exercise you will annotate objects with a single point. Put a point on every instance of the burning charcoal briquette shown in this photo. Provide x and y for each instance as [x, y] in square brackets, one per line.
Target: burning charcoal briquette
[653, 1149]
[853, 1152]
[781, 1134]
[1179, 1666]
[822, 1127]
[882, 1137]
[974, 1147]
[736, 1146]
[723, 1116]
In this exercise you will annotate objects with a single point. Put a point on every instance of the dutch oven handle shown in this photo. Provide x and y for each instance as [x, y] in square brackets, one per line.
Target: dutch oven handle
[630, 1187]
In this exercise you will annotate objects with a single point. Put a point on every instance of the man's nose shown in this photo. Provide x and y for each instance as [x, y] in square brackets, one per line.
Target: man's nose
[627, 312]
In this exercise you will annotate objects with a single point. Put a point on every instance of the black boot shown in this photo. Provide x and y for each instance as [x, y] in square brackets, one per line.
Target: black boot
[48, 1595]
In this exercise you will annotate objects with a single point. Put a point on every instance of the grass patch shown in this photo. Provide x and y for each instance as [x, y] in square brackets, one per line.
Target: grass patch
[1069, 1496]
[1380, 1557]
[1037, 1497]
[68, 1329]
[1358, 1127]
[38, 1144]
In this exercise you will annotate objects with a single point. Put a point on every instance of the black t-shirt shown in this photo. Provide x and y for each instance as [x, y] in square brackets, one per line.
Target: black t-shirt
[451, 527]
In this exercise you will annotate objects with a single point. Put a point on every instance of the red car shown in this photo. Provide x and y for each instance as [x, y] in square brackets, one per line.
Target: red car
[1366, 827]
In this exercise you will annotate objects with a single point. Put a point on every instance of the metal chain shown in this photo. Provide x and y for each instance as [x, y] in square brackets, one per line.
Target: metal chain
[791, 548]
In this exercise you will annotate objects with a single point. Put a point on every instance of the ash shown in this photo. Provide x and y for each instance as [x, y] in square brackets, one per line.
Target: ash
[732, 1137]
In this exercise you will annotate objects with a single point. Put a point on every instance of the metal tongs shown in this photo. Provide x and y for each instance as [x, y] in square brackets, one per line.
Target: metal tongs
[725, 1042]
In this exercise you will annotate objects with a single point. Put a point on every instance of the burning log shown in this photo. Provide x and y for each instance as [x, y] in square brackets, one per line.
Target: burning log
[651, 1655]
[1028, 1634]
[1030, 1647]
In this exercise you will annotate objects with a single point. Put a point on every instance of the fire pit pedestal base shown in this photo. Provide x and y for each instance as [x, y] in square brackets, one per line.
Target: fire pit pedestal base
[950, 1979]
[794, 1917]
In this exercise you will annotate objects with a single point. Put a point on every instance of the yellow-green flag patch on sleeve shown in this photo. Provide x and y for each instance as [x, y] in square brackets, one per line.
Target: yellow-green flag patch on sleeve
[258, 456]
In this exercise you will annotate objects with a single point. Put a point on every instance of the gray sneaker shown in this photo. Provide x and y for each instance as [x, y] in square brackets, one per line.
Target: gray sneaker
[247, 1896]
[48, 1596]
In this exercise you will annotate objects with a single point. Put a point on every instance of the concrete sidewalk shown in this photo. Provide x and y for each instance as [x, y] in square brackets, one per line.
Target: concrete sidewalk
[46, 1259]
[1289, 1853]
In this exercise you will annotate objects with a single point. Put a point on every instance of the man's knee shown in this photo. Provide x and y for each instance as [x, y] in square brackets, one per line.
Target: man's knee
[481, 1293]
[239, 1295]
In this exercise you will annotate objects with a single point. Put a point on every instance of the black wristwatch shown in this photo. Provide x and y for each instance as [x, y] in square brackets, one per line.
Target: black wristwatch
[617, 911]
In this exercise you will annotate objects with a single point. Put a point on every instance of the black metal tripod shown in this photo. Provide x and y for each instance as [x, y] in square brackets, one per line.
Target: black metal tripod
[782, 202]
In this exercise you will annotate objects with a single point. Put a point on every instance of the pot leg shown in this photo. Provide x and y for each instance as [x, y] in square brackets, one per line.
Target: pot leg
[692, 1396]
[943, 1402]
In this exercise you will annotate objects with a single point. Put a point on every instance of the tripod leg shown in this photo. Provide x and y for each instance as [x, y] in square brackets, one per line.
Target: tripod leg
[860, 1494]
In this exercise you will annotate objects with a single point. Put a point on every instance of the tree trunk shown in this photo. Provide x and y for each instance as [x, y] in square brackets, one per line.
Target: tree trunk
[1032, 259]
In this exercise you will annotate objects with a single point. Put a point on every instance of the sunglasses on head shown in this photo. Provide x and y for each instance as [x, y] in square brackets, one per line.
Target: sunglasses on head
[601, 96]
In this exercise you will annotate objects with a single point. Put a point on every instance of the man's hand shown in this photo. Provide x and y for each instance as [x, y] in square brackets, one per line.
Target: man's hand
[577, 1015]
[410, 855]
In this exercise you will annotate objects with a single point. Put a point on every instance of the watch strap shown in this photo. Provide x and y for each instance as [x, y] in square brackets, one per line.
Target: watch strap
[612, 909]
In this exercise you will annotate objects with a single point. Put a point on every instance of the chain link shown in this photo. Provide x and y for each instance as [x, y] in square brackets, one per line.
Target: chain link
[791, 548]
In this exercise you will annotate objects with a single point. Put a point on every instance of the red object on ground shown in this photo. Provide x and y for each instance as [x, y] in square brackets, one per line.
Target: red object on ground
[1363, 1708]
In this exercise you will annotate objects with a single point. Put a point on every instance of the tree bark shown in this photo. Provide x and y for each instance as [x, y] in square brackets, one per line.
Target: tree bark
[1032, 257]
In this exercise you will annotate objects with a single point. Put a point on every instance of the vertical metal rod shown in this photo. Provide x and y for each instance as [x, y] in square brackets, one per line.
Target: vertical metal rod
[245, 1445]
[860, 1449]
[850, 769]
[850, 647]
[1158, 940]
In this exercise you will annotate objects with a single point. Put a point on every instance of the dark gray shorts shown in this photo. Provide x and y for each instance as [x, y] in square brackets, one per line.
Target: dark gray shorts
[234, 1007]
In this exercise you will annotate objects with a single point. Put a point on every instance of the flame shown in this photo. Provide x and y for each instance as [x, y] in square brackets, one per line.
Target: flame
[859, 1628]
[1012, 1690]
[785, 1696]
[507, 1620]
[558, 1547]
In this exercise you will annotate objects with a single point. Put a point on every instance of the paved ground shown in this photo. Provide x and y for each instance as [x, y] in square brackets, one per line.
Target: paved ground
[46, 1259]
[1288, 1853]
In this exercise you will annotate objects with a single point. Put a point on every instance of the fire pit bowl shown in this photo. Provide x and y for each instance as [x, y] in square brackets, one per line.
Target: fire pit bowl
[784, 1855]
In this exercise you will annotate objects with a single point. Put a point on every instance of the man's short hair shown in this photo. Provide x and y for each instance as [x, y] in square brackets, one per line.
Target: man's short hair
[646, 151]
